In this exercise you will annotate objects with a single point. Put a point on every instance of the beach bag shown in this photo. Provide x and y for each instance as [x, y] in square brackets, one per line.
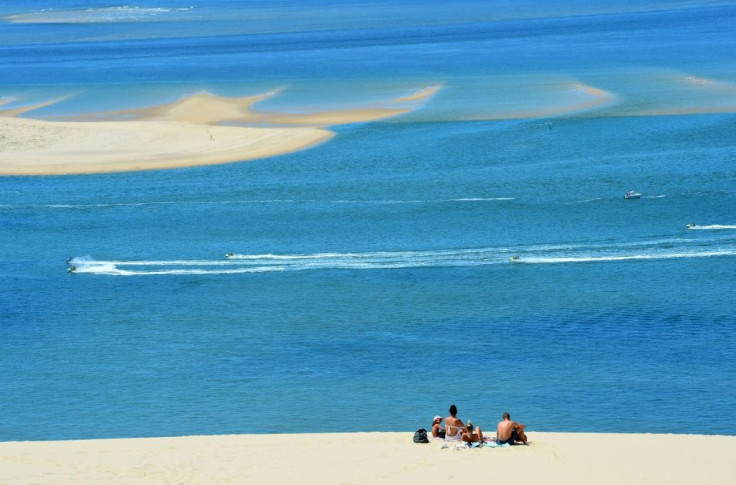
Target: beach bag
[420, 436]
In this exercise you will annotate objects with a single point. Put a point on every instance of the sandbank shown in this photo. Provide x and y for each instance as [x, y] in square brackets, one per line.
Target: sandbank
[32, 147]
[552, 458]
[571, 98]
[202, 129]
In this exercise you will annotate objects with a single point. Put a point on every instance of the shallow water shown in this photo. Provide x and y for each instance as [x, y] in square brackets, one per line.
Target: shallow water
[371, 279]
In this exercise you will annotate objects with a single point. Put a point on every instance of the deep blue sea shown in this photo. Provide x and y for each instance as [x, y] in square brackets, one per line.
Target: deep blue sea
[371, 284]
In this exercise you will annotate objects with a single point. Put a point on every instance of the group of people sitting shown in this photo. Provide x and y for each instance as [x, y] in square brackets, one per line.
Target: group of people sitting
[507, 431]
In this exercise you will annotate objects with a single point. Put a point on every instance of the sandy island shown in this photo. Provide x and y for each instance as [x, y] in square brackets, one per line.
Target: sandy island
[552, 458]
[199, 130]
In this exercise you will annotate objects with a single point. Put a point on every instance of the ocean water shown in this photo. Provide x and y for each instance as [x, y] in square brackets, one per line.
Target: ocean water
[371, 284]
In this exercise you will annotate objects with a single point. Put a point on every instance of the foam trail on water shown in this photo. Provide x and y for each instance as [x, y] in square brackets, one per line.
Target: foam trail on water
[712, 227]
[252, 201]
[110, 14]
[118, 268]
[258, 263]
[667, 247]
[633, 257]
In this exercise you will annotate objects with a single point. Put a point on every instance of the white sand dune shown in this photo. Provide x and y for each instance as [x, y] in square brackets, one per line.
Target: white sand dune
[199, 130]
[33, 147]
[552, 458]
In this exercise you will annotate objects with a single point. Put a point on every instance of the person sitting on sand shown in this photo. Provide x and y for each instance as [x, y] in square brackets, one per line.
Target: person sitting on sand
[471, 435]
[453, 426]
[510, 432]
[437, 430]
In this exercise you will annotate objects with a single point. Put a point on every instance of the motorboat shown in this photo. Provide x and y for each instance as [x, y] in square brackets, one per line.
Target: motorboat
[632, 195]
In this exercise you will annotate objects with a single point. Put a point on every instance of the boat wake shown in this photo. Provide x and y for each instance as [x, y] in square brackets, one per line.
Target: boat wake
[100, 15]
[712, 227]
[235, 263]
[205, 203]
[631, 257]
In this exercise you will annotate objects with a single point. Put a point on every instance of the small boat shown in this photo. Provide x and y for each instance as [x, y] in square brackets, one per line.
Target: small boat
[692, 225]
[71, 269]
[632, 195]
[229, 255]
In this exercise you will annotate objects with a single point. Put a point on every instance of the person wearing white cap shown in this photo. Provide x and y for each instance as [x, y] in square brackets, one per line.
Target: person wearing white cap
[437, 430]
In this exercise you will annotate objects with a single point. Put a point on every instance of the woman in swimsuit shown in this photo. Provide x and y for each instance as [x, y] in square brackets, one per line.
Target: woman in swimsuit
[471, 435]
[437, 430]
[453, 426]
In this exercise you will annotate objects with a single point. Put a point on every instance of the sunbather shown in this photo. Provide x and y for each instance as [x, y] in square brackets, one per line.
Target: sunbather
[471, 435]
[453, 426]
[437, 430]
[510, 432]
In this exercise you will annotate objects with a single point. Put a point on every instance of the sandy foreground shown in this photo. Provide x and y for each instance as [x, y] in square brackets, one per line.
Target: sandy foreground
[202, 129]
[552, 458]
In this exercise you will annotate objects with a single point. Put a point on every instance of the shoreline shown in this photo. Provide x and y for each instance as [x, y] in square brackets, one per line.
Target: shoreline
[376, 457]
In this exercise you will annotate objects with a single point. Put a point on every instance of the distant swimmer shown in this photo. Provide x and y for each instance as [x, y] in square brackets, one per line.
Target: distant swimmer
[229, 255]
[69, 260]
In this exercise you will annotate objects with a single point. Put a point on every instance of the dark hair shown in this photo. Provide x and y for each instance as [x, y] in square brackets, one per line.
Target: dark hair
[505, 416]
[453, 410]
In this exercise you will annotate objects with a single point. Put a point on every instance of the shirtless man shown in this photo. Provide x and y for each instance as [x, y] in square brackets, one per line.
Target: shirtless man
[510, 431]
[453, 426]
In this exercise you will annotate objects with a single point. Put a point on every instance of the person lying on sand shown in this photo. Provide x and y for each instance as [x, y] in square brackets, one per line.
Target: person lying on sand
[453, 426]
[510, 432]
[437, 430]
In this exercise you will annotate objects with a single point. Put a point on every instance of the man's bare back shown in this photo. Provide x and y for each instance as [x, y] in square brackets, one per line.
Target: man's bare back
[510, 431]
[505, 429]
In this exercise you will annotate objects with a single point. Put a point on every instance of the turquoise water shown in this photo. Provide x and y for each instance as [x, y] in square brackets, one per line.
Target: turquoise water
[371, 279]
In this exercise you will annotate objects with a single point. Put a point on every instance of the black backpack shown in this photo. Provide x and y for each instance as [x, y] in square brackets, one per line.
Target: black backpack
[420, 436]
